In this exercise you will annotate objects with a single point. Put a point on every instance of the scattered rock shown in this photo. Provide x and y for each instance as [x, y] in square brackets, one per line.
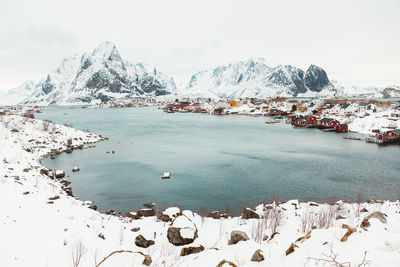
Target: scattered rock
[136, 229]
[65, 182]
[147, 260]
[146, 212]
[306, 236]
[214, 215]
[25, 193]
[265, 237]
[44, 171]
[191, 250]
[60, 174]
[93, 207]
[250, 214]
[75, 169]
[54, 198]
[313, 204]
[273, 235]
[149, 204]
[69, 150]
[169, 214]
[50, 202]
[350, 230]
[340, 217]
[225, 263]
[132, 215]
[110, 212]
[258, 256]
[377, 215]
[364, 210]
[26, 169]
[142, 242]
[237, 236]
[101, 236]
[175, 237]
[290, 250]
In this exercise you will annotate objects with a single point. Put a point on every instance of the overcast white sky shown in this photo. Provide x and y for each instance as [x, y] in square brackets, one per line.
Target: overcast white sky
[356, 42]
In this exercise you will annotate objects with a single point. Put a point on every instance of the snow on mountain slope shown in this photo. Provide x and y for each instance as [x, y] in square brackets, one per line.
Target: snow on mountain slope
[256, 78]
[347, 90]
[16, 95]
[96, 77]
[391, 91]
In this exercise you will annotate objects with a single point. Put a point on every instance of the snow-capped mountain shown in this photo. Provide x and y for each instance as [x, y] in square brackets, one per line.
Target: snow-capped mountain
[391, 91]
[256, 78]
[99, 76]
[18, 94]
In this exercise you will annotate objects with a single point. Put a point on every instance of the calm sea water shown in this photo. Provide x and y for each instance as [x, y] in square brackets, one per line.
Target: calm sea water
[217, 161]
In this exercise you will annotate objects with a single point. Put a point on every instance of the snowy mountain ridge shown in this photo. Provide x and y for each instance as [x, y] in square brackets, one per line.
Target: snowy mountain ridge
[97, 77]
[257, 78]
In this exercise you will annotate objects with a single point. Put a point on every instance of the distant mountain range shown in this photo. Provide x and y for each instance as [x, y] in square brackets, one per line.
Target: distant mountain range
[256, 78]
[17, 94]
[102, 75]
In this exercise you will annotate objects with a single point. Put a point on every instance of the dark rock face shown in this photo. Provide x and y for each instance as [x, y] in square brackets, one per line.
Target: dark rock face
[316, 78]
[142, 242]
[288, 76]
[191, 250]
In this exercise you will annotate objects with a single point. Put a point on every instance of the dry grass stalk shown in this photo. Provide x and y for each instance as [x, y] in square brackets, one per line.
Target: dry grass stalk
[147, 259]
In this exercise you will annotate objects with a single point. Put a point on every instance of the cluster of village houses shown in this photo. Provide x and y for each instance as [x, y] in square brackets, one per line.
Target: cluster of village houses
[332, 115]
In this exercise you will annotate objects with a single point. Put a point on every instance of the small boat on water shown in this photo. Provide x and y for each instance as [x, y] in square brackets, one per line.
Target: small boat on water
[166, 175]
[170, 111]
[270, 122]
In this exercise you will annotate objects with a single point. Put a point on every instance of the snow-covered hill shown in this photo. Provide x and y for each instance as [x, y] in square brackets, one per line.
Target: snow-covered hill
[256, 78]
[16, 95]
[99, 76]
[391, 91]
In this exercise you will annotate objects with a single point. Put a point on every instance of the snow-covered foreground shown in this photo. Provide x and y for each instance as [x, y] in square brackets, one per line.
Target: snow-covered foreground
[41, 225]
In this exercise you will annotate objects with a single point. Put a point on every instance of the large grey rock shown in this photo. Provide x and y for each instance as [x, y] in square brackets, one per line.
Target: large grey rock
[376, 215]
[237, 236]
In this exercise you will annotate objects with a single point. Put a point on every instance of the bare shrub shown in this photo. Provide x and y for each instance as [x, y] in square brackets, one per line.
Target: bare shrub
[258, 230]
[321, 219]
[275, 217]
[307, 221]
[332, 259]
[46, 124]
[78, 250]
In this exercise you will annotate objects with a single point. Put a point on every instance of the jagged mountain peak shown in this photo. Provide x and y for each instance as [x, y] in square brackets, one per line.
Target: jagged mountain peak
[99, 76]
[106, 51]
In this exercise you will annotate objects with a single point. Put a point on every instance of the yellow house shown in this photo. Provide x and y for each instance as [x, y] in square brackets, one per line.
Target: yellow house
[302, 109]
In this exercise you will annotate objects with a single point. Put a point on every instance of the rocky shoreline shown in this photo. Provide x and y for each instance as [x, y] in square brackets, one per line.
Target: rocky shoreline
[41, 212]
